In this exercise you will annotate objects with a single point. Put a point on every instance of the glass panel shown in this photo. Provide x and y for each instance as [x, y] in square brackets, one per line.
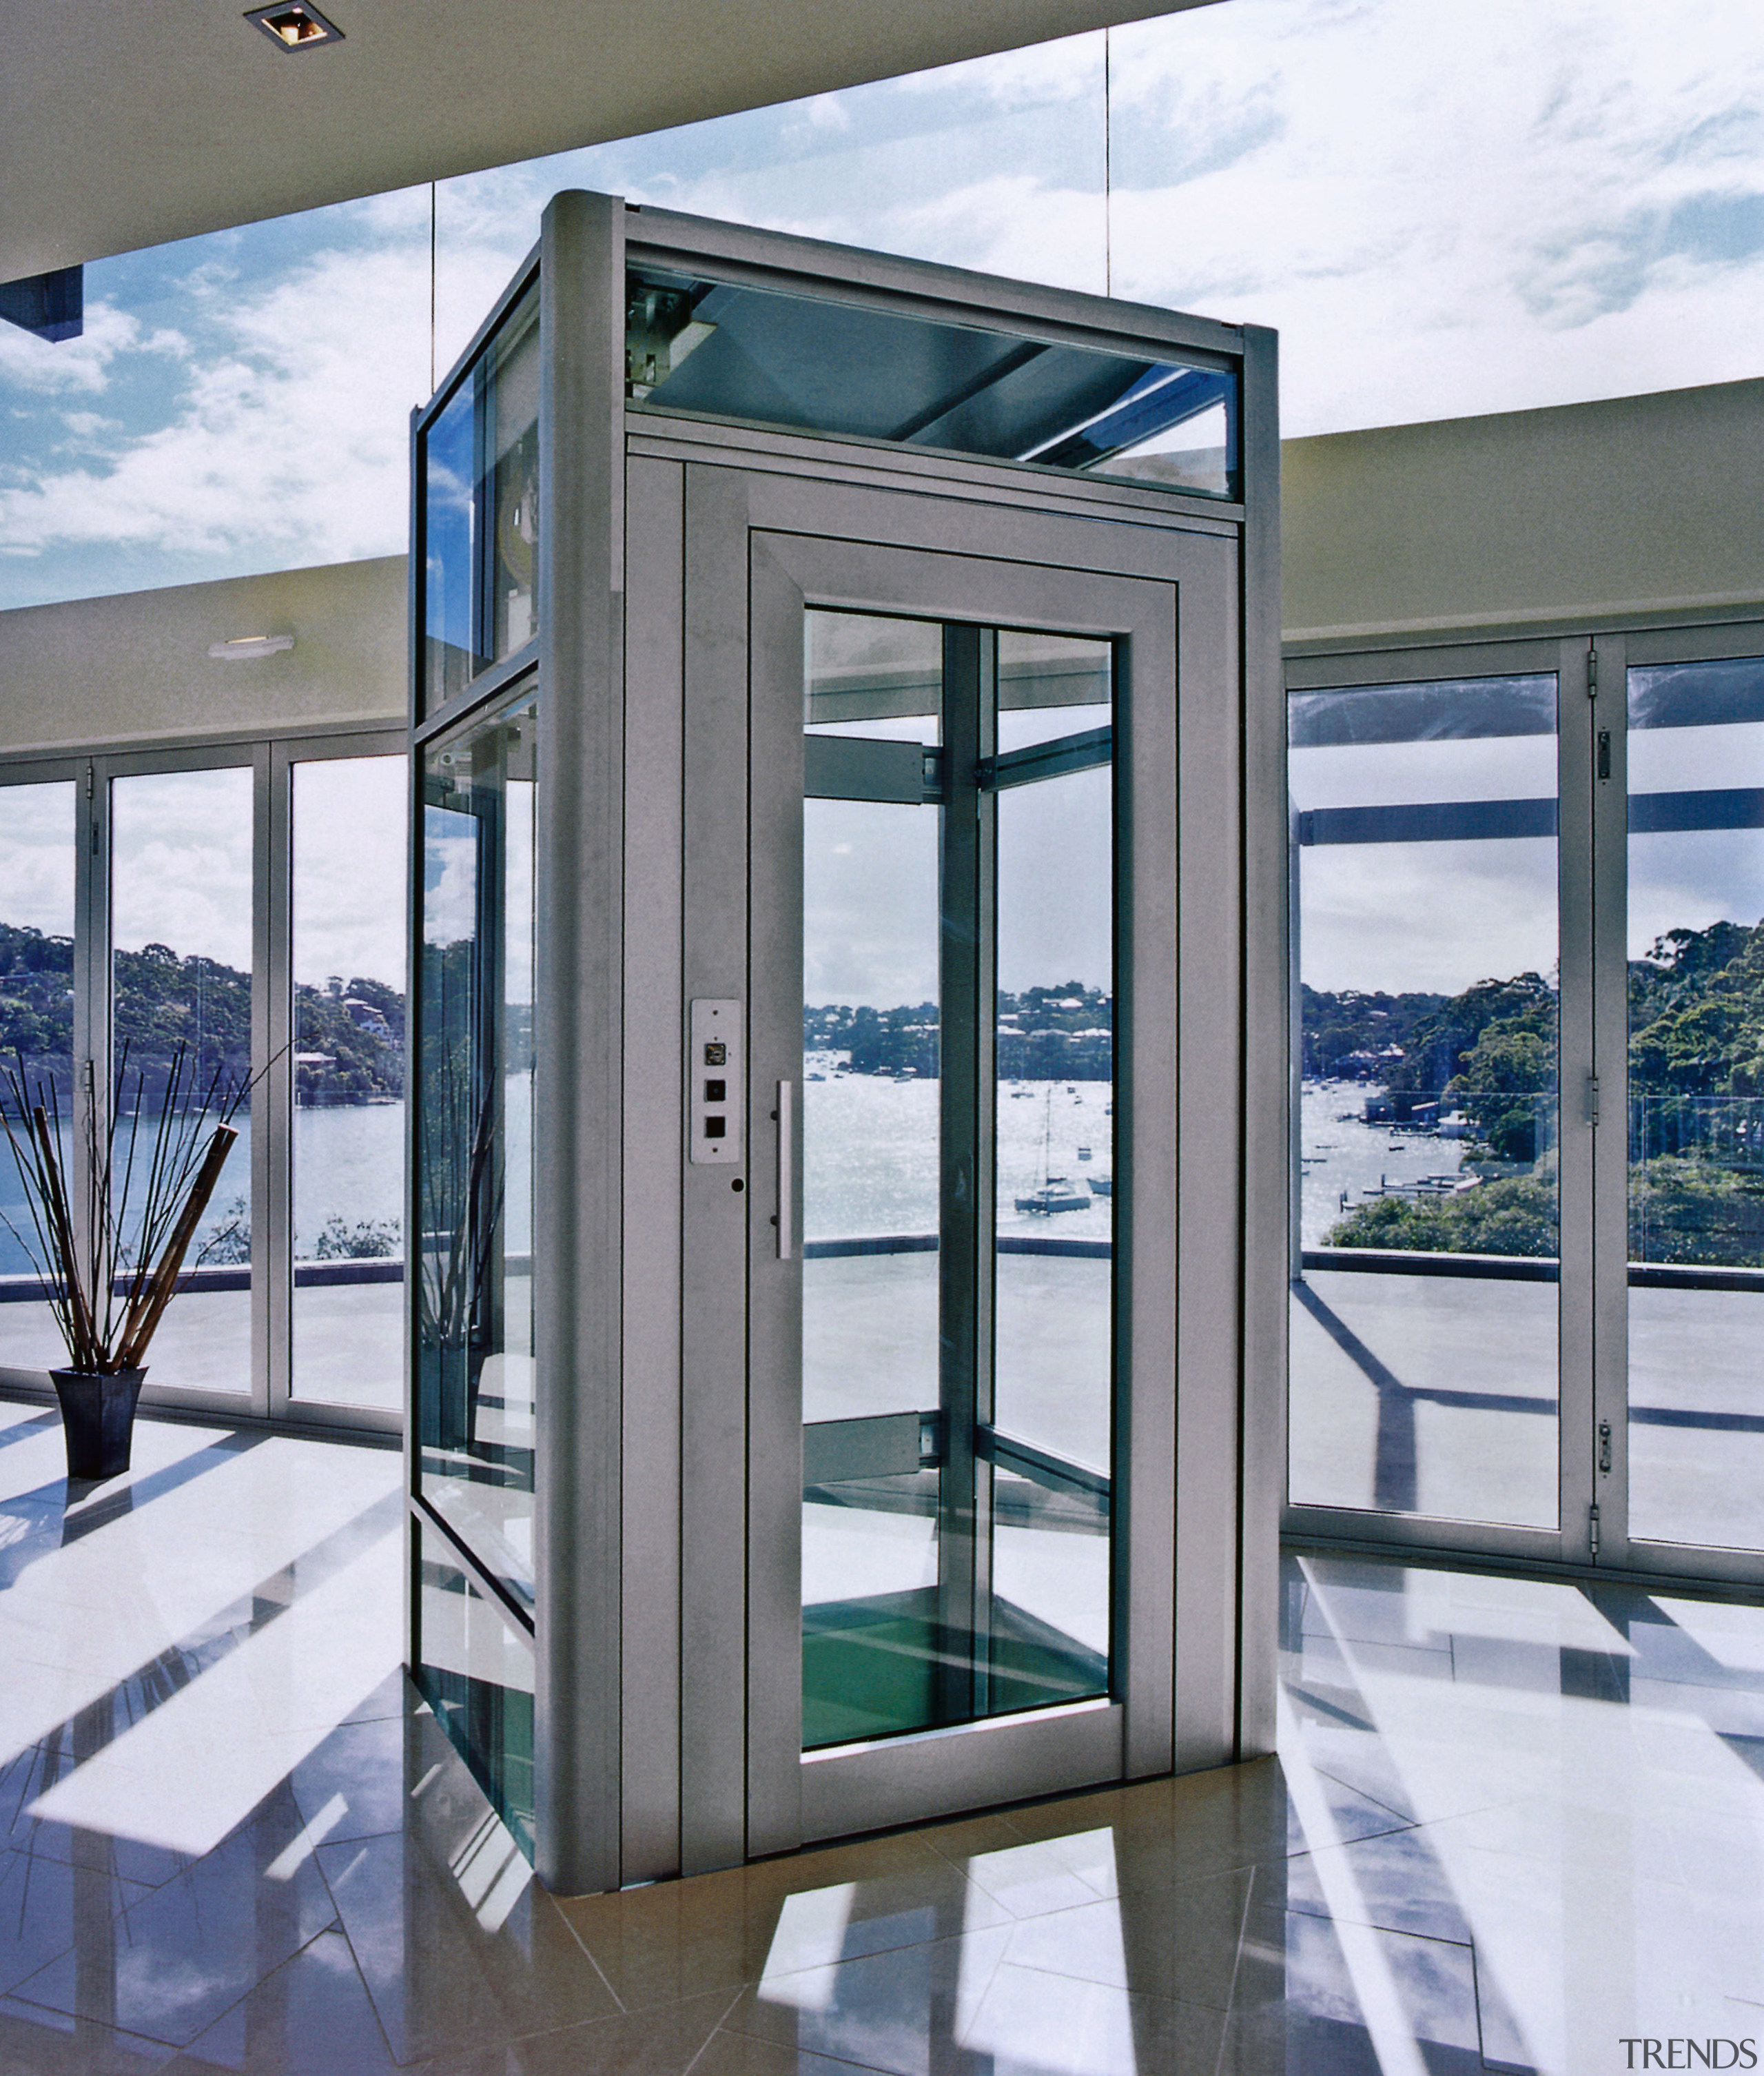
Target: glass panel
[347, 1142]
[1053, 1296]
[871, 1217]
[1425, 1328]
[818, 365]
[474, 1140]
[1696, 1101]
[37, 839]
[475, 1668]
[480, 464]
[934, 1589]
[180, 926]
[873, 677]
[1050, 686]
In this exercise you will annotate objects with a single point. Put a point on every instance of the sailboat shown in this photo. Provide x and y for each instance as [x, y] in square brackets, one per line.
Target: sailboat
[1054, 1193]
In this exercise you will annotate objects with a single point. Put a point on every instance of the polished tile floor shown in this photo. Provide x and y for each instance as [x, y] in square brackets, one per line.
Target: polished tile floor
[1512, 1825]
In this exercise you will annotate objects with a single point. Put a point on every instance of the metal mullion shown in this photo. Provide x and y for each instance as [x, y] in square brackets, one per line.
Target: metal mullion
[91, 1062]
[491, 683]
[1576, 1132]
[1085, 751]
[262, 957]
[964, 1019]
[272, 1032]
[1611, 1141]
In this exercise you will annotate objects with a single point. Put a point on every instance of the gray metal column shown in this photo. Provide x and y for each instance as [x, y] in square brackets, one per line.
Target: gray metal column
[967, 1092]
[1269, 1240]
[578, 1108]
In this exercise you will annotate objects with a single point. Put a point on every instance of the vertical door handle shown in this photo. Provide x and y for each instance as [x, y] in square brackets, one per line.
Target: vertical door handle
[785, 1216]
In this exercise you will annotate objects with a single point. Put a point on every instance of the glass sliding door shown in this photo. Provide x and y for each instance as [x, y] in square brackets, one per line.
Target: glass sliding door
[1696, 1125]
[38, 840]
[1425, 1329]
[347, 1147]
[1456, 1223]
[182, 922]
[958, 1282]
[245, 908]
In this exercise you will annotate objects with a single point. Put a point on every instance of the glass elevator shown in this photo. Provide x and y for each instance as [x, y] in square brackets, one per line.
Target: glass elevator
[848, 1131]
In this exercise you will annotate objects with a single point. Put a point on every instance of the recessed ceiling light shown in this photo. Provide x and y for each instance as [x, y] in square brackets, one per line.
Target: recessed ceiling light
[295, 26]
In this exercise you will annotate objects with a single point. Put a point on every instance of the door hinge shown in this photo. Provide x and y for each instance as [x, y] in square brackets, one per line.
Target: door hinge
[1592, 1527]
[1605, 1446]
[1592, 1098]
[1592, 671]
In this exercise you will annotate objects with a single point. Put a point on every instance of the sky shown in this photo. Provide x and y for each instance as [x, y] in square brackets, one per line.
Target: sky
[1446, 208]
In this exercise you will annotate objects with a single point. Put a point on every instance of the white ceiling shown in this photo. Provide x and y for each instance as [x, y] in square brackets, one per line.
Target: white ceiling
[127, 122]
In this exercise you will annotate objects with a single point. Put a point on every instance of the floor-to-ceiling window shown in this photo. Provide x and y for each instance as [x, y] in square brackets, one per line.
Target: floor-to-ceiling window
[39, 854]
[240, 907]
[1528, 1245]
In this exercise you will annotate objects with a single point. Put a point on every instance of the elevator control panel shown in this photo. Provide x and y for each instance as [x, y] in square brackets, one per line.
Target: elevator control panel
[715, 1071]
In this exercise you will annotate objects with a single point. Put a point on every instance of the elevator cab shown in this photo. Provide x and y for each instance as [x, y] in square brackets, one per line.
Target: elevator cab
[848, 1139]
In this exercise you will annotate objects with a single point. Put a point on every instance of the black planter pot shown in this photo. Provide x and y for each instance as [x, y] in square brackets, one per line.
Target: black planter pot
[98, 1418]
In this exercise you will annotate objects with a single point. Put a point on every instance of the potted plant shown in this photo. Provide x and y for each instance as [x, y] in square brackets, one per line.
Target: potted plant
[111, 1262]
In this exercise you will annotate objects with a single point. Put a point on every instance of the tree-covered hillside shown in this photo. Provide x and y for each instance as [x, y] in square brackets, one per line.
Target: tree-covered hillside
[349, 1036]
[1696, 1107]
[1065, 1032]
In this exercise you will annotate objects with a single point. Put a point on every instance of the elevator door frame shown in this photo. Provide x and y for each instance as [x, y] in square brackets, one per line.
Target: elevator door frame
[759, 547]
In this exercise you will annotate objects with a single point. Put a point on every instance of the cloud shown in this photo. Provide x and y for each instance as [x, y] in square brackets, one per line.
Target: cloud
[349, 870]
[36, 858]
[80, 365]
[1467, 206]
[181, 850]
[1438, 916]
[827, 111]
[287, 439]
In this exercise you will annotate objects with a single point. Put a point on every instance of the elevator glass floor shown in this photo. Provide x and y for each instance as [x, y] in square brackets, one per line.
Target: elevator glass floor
[870, 1668]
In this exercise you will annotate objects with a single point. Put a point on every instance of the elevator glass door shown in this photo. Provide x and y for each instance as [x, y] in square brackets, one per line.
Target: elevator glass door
[957, 1174]
[961, 1332]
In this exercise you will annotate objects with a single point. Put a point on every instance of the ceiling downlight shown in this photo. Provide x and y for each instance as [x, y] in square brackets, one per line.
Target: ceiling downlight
[295, 26]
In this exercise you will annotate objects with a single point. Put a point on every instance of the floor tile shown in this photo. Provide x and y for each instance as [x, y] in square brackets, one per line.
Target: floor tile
[1398, 1882]
[1029, 2024]
[1392, 1985]
[904, 2011]
[34, 2042]
[1180, 1943]
[310, 2017]
[1027, 1878]
[32, 1774]
[1159, 1833]
[447, 1962]
[658, 2043]
[738, 2054]
[48, 1907]
[172, 1964]
[1538, 1818]
[354, 1783]
[778, 1917]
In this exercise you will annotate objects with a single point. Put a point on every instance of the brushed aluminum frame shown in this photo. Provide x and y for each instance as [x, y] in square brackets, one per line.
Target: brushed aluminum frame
[1177, 668]
[647, 1484]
